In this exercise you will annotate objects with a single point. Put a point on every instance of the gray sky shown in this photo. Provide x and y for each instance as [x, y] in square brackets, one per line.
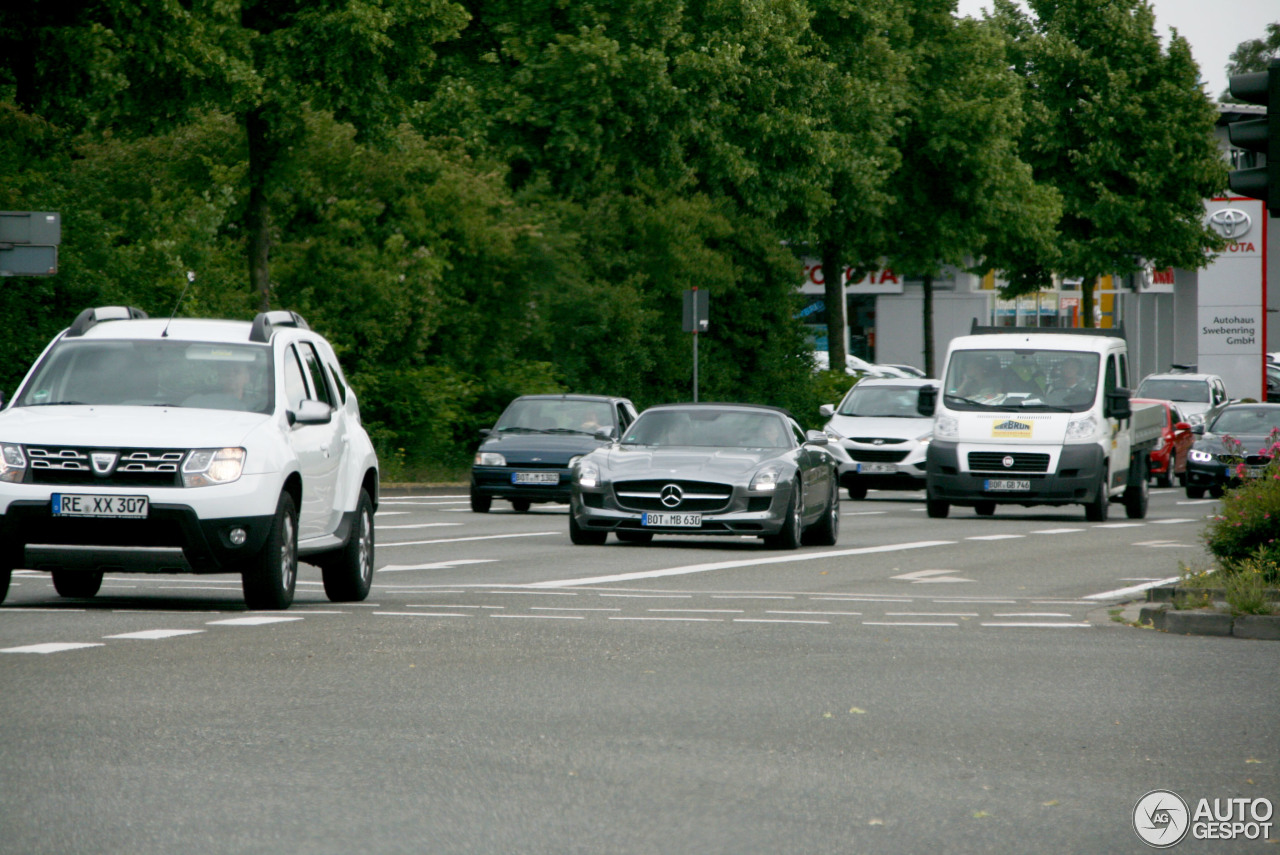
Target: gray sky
[1214, 28]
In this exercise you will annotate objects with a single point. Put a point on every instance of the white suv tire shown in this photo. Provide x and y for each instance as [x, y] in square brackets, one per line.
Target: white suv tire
[269, 580]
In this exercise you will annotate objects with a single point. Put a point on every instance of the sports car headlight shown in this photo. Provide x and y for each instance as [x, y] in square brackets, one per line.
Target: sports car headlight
[205, 467]
[946, 427]
[766, 480]
[1082, 430]
[13, 463]
[588, 475]
[1199, 456]
[490, 458]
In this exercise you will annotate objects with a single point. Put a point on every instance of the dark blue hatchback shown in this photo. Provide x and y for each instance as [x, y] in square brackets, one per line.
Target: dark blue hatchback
[529, 454]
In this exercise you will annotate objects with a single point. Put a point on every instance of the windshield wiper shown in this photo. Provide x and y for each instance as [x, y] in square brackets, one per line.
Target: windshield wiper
[568, 430]
[57, 404]
[526, 429]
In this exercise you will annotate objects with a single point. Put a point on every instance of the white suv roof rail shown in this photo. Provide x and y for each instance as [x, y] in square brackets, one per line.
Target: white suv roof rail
[91, 317]
[264, 322]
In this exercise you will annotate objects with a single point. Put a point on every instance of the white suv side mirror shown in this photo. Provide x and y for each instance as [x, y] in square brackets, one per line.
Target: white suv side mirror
[311, 412]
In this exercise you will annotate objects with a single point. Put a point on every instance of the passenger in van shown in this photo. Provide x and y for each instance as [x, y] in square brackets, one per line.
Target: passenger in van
[1071, 385]
[981, 378]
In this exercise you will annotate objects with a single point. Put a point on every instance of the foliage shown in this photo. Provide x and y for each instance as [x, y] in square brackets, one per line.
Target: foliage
[1246, 530]
[1252, 55]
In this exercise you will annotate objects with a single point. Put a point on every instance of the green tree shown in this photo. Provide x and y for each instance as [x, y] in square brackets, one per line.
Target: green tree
[1252, 55]
[1121, 128]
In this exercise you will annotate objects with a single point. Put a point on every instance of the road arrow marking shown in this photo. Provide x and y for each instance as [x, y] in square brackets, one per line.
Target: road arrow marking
[928, 577]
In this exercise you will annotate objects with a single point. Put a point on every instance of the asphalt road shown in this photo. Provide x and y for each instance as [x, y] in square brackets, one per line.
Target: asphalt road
[926, 685]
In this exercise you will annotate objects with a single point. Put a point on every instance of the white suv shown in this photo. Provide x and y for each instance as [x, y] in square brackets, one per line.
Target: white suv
[198, 446]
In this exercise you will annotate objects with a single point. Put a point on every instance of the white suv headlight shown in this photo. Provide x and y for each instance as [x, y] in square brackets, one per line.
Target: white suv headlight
[490, 458]
[205, 467]
[13, 463]
[766, 480]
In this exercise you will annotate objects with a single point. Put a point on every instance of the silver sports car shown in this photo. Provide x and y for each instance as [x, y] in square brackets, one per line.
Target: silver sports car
[708, 469]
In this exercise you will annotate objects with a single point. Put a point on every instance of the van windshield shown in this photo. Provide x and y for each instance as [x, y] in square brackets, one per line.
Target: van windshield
[1053, 380]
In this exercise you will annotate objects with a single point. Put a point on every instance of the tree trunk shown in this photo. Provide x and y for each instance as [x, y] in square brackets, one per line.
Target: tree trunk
[833, 296]
[1086, 302]
[927, 284]
[257, 213]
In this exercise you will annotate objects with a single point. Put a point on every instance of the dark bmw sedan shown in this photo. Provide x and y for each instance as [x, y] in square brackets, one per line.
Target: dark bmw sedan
[1237, 444]
[709, 469]
[528, 454]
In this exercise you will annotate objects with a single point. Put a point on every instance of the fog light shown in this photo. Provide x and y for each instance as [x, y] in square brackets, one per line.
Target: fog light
[237, 537]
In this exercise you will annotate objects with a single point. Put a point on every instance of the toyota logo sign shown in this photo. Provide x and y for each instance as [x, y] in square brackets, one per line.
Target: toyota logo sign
[671, 495]
[1230, 223]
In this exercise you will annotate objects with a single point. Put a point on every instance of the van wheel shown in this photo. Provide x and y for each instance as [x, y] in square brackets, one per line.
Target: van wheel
[984, 509]
[348, 572]
[269, 580]
[76, 584]
[1138, 494]
[1096, 510]
[937, 509]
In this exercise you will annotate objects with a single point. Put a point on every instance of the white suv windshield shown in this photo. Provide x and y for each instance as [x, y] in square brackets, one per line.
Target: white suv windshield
[1006, 380]
[1164, 389]
[153, 374]
[887, 402]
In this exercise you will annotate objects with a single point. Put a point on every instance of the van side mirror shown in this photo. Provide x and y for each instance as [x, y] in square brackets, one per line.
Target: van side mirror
[1117, 404]
[927, 403]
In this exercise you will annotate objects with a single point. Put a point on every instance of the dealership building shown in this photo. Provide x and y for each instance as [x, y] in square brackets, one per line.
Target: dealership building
[1222, 318]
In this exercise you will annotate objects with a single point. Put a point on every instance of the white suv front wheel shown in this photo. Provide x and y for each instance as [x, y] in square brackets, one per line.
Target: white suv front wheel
[348, 572]
[272, 574]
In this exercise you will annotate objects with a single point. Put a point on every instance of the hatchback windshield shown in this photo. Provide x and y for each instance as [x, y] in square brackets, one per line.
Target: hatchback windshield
[1165, 389]
[153, 374]
[888, 402]
[709, 427]
[1056, 380]
[556, 415]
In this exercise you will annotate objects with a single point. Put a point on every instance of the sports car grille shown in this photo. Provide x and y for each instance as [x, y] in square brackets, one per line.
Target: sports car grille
[704, 496]
[866, 456]
[136, 467]
[993, 461]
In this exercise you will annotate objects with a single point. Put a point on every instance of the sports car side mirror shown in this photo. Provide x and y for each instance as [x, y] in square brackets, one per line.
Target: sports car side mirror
[816, 437]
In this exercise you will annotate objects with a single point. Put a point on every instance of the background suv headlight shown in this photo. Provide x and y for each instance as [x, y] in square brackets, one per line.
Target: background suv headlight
[205, 467]
[13, 463]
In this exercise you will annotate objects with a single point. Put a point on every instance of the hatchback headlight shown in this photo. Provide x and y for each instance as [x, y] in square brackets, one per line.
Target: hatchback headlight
[766, 480]
[205, 467]
[490, 458]
[13, 463]
[1199, 456]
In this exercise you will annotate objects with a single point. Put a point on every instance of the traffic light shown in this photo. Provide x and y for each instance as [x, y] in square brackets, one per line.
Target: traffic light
[1259, 135]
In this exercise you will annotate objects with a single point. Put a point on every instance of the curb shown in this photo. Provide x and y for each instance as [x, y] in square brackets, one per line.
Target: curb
[1165, 618]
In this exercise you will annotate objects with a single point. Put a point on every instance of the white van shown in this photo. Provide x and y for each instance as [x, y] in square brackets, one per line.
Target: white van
[1030, 417]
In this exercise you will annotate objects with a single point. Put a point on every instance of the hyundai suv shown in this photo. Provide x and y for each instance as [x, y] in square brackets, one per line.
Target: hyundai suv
[189, 446]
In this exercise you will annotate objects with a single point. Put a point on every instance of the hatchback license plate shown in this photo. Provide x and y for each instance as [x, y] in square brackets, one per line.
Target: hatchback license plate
[535, 477]
[999, 485]
[119, 507]
[876, 468]
[672, 520]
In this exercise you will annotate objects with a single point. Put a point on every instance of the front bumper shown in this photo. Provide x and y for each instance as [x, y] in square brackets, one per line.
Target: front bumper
[883, 467]
[1076, 481]
[746, 514]
[497, 482]
[1218, 474]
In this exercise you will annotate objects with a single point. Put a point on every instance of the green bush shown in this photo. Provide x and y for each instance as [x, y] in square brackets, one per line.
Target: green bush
[1247, 527]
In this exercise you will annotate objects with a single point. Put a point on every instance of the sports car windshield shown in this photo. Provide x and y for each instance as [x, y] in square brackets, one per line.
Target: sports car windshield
[709, 428]
[1018, 380]
[889, 402]
[203, 375]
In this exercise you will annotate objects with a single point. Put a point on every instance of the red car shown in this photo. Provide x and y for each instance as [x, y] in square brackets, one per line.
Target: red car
[1169, 457]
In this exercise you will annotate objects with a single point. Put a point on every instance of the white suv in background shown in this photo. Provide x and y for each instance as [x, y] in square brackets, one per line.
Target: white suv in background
[199, 446]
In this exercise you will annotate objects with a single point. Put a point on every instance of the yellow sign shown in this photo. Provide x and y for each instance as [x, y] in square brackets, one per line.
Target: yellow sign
[1011, 429]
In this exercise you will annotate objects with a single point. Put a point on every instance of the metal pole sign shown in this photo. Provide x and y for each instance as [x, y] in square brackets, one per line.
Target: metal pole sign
[696, 304]
[29, 243]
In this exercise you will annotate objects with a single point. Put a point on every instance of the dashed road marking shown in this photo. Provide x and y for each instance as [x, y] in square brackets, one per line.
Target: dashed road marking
[52, 647]
[156, 634]
[262, 620]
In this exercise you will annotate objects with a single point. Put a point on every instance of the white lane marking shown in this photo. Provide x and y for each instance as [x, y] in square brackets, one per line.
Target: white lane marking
[1061, 602]
[542, 617]
[1120, 525]
[156, 634]
[419, 501]
[420, 614]
[1130, 591]
[415, 525]
[1199, 502]
[959, 600]
[1049, 625]
[1164, 544]
[567, 609]
[382, 545]
[52, 647]
[252, 621]
[1170, 522]
[537, 593]
[772, 620]
[861, 599]
[1057, 530]
[449, 606]
[931, 577]
[862, 513]
[650, 596]
[438, 565]
[832, 614]
[1030, 614]
[699, 611]
[930, 614]
[997, 537]
[752, 597]
[904, 623]
[686, 619]
[18, 610]
[748, 562]
[392, 514]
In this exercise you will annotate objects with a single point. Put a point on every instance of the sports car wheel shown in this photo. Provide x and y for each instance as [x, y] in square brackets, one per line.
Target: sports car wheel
[789, 536]
[76, 583]
[826, 531]
[634, 536]
[585, 537]
[348, 572]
